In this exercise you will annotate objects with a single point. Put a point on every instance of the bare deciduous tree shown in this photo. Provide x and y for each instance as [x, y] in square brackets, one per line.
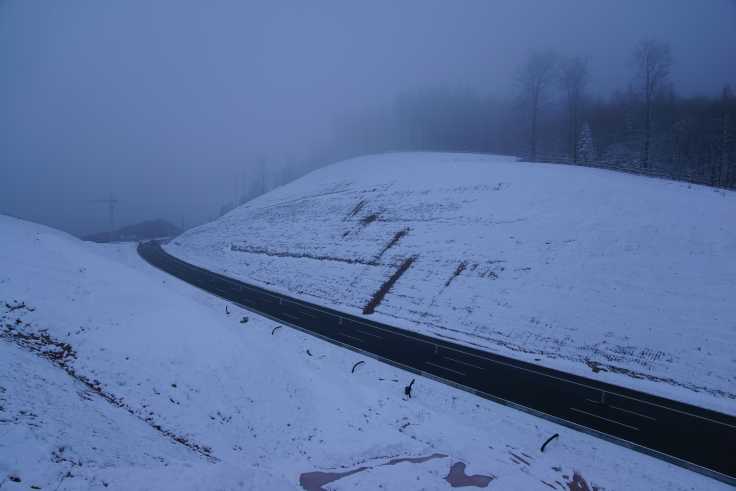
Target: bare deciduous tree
[653, 61]
[726, 174]
[574, 78]
[533, 80]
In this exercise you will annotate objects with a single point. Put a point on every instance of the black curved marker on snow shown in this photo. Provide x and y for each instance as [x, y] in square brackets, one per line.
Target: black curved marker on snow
[544, 445]
[356, 366]
[695, 438]
[407, 389]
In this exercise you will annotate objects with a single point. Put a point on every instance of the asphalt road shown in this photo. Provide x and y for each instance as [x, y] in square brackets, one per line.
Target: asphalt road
[696, 438]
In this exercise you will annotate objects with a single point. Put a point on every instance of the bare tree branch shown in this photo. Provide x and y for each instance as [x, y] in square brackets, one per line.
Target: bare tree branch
[533, 80]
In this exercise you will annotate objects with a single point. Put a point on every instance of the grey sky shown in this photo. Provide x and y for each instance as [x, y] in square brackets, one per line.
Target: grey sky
[162, 102]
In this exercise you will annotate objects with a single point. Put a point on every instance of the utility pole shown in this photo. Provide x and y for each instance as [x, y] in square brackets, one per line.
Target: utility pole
[111, 203]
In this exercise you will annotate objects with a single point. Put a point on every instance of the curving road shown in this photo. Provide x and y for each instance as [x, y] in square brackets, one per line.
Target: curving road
[692, 437]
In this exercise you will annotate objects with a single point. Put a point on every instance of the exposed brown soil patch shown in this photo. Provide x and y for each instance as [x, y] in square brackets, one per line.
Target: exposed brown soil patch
[313, 481]
[416, 460]
[63, 355]
[384, 289]
[460, 268]
[395, 240]
[357, 208]
[578, 483]
[519, 459]
[458, 478]
[367, 220]
[303, 255]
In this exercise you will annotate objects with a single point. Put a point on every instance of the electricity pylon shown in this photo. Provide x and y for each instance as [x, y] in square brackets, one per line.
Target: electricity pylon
[111, 203]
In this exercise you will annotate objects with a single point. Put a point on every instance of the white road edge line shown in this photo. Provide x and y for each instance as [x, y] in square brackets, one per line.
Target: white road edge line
[633, 412]
[521, 407]
[358, 321]
[351, 337]
[541, 414]
[536, 372]
[604, 419]
[369, 334]
[463, 362]
[445, 368]
[308, 314]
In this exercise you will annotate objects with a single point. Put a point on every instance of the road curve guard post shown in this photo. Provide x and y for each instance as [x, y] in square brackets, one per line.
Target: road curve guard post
[408, 388]
[544, 445]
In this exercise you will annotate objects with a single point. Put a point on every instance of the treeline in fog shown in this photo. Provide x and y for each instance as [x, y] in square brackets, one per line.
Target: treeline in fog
[556, 115]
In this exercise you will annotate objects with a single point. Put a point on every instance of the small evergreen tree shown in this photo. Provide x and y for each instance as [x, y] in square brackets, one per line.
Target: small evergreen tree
[585, 149]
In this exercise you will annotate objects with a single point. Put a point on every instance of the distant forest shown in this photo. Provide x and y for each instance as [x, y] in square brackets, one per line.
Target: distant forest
[644, 128]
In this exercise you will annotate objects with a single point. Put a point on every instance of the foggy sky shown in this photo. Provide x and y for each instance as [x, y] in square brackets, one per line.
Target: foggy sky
[164, 102]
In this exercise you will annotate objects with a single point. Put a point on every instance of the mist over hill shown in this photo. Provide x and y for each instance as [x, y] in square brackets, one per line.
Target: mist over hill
[150, 229]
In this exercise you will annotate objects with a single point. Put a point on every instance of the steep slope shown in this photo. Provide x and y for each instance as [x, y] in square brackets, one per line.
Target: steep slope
[609, 275]
[113, 375]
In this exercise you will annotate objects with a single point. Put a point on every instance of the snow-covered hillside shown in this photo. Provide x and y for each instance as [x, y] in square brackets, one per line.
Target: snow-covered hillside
[613, 276]
[114, 375]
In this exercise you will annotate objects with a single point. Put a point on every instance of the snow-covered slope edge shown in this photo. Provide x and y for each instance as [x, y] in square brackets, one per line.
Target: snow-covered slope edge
[116, 376]
[612, 276]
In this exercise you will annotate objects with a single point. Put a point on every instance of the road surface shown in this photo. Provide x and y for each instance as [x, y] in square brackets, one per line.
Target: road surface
[696, 438]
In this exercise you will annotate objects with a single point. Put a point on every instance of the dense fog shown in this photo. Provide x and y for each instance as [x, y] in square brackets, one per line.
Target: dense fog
[181, 109]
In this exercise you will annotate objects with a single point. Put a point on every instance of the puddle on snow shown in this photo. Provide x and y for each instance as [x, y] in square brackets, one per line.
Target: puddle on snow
[414, 460]
[457, 477]
[313, 481]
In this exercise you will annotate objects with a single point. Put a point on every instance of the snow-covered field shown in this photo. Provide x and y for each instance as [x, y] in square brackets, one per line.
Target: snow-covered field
[115, 376]
[613, 276]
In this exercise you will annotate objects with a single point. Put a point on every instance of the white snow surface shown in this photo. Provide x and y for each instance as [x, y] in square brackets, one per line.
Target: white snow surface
[114, 375]
[612, 276]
